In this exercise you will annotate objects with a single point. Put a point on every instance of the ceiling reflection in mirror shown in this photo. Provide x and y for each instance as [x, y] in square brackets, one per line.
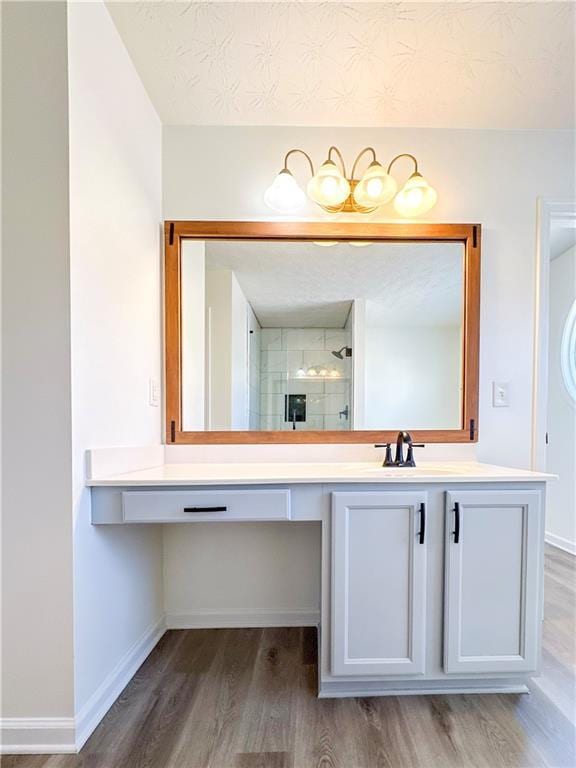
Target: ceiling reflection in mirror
[322, 336]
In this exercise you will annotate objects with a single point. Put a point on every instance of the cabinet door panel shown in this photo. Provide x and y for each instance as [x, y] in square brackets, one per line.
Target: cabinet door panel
[492, 621]
[378, 585]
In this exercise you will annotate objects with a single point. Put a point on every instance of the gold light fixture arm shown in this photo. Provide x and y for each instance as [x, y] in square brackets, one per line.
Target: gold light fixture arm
[337, 151]
[404, 154]
[359, 156]
[301, 152]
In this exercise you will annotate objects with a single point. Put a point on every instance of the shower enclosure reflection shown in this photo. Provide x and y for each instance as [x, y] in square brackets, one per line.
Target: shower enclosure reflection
[294, 336]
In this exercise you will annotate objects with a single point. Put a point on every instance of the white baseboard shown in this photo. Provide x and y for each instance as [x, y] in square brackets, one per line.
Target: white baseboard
[558, 541]
[335, 692]
[37, 736]
[242, 619]
[112, 686]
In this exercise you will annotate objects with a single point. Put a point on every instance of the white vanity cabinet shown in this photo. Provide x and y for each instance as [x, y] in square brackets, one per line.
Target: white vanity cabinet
[431, 577]
[434, 590]
[378, 583]
[493, 563]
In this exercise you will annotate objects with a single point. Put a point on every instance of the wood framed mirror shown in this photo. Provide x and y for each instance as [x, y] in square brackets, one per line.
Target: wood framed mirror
[321, 332]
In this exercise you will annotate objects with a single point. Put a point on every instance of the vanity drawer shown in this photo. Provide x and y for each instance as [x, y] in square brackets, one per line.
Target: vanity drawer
[205, 506]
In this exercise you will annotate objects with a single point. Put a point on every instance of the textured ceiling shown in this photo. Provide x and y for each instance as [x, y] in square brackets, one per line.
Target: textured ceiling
[303, 285]
[450, 64]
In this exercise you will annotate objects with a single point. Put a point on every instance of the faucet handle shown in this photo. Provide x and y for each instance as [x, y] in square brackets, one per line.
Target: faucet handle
[410, 455]
[388, 462]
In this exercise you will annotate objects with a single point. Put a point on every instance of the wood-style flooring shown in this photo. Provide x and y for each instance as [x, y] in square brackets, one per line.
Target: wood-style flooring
[245, 698]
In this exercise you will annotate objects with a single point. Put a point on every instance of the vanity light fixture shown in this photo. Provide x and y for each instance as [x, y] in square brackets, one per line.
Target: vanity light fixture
[318, 373]
[332, 190]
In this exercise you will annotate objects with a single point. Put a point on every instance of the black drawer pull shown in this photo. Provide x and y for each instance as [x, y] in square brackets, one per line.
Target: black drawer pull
[205, 509]
[456, 522]
[422, 532]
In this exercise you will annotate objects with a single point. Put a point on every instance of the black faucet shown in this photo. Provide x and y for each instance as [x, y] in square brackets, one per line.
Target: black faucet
[404, 438]
[388, 462]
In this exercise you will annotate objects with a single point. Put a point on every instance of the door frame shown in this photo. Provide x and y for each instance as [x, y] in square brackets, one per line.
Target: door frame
[550, 210]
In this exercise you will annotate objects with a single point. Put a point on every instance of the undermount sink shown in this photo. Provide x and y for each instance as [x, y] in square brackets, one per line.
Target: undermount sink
[419, 471]
[406, 471]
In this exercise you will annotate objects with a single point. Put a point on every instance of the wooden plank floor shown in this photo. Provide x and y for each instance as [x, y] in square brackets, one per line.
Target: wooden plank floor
[246, 699]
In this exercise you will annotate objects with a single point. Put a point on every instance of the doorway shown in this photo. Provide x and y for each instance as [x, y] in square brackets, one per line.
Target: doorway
[554, 445]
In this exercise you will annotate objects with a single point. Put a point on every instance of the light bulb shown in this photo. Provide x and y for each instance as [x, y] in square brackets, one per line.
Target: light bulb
[325, 243]
[375, 188]
[300, 372]
[284, 194]
[323, 372]
[334, 373]
[328, 187]
[416, 197]
[312, 372]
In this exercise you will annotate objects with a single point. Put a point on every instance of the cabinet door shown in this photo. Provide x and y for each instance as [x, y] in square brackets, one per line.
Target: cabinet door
[378, 583]
[494, 548]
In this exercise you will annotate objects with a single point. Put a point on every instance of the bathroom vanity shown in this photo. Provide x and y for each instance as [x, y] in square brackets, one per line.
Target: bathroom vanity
[431, 576]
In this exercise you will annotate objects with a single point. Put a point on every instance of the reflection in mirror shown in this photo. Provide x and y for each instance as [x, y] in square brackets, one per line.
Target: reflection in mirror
[294, 336]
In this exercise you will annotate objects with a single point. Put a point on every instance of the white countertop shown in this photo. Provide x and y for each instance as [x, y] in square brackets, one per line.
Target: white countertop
[174, 475]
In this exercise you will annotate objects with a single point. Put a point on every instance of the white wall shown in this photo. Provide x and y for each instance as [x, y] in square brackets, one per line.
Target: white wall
[413, 377]
[254, 332]
[37, 624]
[227, 310]
[239, 356]
[219, 571]
[561, 422]
[194, 352]
[356, 322]
[218, 313]
[115, 215]
[491, 177]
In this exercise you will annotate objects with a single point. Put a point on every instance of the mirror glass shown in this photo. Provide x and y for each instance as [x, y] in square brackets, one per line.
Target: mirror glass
[283, 335]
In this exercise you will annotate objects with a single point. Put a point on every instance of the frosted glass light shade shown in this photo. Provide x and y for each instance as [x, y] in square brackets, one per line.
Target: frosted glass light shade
[416, 197]
[328, 187]
[284, 195]
[375, 188]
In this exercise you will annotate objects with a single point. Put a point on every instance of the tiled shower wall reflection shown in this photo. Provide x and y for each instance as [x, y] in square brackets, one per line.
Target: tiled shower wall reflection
[285, 351]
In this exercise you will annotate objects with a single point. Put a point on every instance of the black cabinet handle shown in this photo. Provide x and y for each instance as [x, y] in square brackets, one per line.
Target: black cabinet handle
[205, 509]
[456, 522]
[422, 532]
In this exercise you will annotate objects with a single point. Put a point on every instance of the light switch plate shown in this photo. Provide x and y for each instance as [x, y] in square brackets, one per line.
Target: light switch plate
[154, 392]
[500, 394]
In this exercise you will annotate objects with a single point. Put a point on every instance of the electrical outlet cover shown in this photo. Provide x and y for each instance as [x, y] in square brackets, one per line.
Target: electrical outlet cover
[154, 393]
[500, 394]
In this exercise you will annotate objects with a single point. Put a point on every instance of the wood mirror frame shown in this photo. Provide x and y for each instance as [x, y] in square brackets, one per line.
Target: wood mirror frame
[177, 231]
